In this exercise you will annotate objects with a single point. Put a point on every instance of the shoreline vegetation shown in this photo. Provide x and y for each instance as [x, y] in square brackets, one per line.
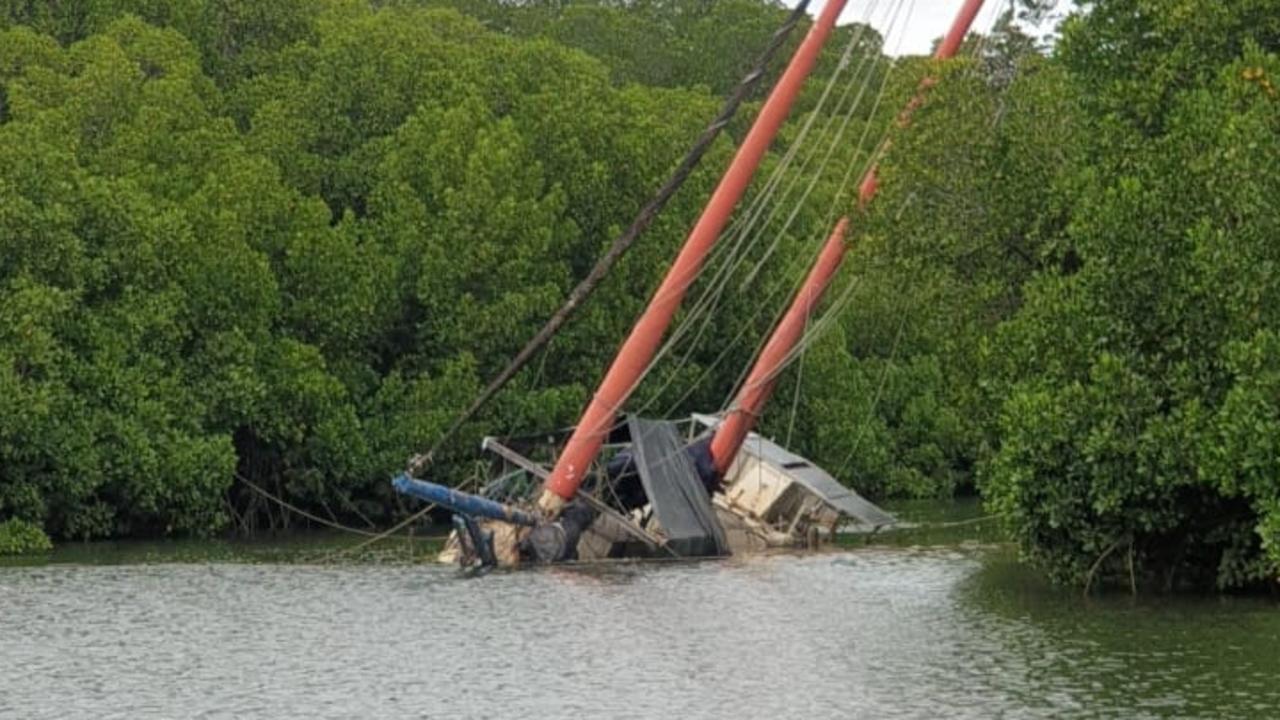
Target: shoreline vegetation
[290, 241]
[926, 523]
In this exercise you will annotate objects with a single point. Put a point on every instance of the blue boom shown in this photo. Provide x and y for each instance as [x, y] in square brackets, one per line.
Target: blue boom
[461, 502]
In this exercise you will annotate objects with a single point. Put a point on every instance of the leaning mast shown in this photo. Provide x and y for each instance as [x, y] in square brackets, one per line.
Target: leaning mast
[779, 349]
[640, 346]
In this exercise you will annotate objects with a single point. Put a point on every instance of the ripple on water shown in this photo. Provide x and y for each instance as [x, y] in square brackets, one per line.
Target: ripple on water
[891, 632]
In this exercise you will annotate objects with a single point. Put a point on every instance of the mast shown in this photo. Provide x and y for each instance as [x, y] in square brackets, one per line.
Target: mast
[781, 345]
[638, 349]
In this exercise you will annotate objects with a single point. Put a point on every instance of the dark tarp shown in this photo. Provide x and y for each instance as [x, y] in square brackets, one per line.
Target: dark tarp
[680, 502]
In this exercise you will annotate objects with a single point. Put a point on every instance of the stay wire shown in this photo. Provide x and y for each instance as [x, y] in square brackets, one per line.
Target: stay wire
[299, 511]
[624, 241]
[733, 244]
[731, 248]
[773, 294]
[792, 267]
[825, 320]
[710, 299]
[702, 311]
[837, 203]
[838, 306]
[903, 315]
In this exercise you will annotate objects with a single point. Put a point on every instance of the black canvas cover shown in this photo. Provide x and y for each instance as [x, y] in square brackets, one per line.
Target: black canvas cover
[679, 500]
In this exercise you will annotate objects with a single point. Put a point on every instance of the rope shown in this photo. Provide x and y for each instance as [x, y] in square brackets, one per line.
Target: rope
[836, 203]
[748, 218]
[712, 296]
[710, 299]
[825, 320]
[624, 241]
[738, 243]
[795, 396]
[720, 249]
[839, 305]
[299, 511]
[817, 175]
[875, 399]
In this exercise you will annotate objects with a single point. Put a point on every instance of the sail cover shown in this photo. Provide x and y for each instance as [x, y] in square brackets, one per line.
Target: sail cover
[679, 501]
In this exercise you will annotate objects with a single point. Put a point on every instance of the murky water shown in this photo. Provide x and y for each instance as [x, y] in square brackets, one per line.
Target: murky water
[950, 631]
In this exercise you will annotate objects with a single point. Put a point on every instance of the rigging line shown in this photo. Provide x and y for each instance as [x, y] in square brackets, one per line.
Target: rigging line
[795, 396]
[884, 373]
[872, 155]
[812, 332]
[795, 210]
[816, 176]
[837, 308]
[880, 148]
[848, 176]
[867, 60]
[978, 49]
[912, 197]
[627, 238]
[736, 246]
[875, 399]
[299, 511]
[704, 308]
[736, 241]
[832, 315]
[827, 319]
[853, 165]
[710, 299]
[794, 265]
[418, 515]
[735, 237]
[724, 353]
[752, 213]
[836, 205]
[734, 250]
[752, 209]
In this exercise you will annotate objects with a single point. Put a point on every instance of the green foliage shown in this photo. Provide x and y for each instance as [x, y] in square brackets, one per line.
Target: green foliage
[649, 42]
[1074, 266]
[289, 240]
[885, 423]
[1137, 402]
[18, 537]
[1133, 57]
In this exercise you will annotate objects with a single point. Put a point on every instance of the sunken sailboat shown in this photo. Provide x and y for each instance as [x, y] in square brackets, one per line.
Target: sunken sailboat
[624, 486]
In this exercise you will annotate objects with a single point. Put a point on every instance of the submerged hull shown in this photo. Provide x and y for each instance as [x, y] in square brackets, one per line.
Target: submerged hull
[649, 500]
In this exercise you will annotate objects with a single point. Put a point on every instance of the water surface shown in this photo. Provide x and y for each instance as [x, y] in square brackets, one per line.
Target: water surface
[958, 630]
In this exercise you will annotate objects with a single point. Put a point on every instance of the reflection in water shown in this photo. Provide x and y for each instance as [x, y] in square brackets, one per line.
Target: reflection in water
[877, 632]
[1209, 656]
